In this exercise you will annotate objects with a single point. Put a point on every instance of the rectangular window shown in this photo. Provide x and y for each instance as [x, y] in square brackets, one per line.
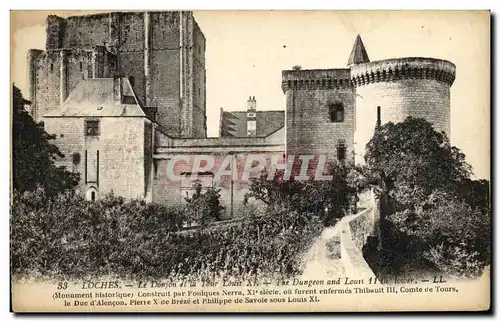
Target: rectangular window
[341, 151]
[336, 113]
[91, 128]
[379, 120]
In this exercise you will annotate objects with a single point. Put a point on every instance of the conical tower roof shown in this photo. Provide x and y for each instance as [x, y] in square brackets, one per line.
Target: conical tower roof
[358, 53]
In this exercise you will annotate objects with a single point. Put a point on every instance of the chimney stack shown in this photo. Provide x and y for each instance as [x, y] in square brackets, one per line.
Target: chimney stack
[251, 116]
[251, 104]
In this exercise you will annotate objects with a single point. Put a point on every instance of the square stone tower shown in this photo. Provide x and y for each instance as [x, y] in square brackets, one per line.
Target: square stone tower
[161, 53]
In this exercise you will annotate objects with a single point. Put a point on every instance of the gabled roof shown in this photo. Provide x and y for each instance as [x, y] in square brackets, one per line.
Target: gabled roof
[358, 53]
[94, 97]
[234, 124]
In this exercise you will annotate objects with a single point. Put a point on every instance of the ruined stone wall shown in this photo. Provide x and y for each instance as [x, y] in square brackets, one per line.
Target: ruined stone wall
[165, 70]
[43, 82]
[309, 95]
[85, 32]
[199, 83]
[131, 50]
[54, 74]
[417, 87]
[163, 53]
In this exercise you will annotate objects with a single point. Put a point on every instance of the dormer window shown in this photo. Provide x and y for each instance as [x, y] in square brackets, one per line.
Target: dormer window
[336, 113]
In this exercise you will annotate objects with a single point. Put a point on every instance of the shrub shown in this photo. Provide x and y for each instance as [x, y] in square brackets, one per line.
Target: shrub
[69, 237]
[329, 200]
[204, 207]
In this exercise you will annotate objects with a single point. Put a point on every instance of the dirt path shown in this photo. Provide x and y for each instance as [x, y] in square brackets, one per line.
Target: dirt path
[322, 261]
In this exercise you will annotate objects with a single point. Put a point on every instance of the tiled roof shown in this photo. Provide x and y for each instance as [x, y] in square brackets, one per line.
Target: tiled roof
[358, 53]
[234, 124]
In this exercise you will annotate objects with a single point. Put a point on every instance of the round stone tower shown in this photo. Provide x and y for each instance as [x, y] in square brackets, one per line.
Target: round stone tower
[391, 90]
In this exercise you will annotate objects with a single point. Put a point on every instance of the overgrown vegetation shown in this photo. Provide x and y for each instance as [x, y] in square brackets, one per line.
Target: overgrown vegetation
[33, 155]
[204, 206]
[329, 200]
[69, 237]
[436, 217]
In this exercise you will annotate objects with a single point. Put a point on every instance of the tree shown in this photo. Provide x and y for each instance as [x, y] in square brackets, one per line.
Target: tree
[410, 160]
[204, 207]
[33, 155]
[433, 213]
[329, 200]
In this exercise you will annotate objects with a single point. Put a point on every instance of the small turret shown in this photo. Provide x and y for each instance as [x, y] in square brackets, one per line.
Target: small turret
[358, 53]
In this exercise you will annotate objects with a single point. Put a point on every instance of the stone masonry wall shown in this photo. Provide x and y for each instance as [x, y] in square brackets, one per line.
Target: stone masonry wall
[417, 87]
[199, 83]
[120, 150]
[45, 75]
[181, 114]
[308, 96]
[173, 192]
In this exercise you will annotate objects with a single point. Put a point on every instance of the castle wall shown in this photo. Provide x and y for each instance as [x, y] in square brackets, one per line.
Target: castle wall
[162, 52]
[85, 31]
[44, 82]
[165, 71]
[54, 74]
[130, 51]
[309, 95]
[417, 87]
[199, 83]
[173, 192]
[111, 166]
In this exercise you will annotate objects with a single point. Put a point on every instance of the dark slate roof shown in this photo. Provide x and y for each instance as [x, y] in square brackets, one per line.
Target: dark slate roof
[94, 97]
[234, 124]
[358, 53]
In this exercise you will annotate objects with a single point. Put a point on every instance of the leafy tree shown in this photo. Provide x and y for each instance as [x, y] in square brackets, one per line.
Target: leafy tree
[410, 160]
[204, 207]
[33, 155]
[435, 214]
[328, 199]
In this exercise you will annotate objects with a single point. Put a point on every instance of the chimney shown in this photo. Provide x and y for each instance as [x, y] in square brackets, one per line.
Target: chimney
[117, 90]
[251, 104]
[251, 116]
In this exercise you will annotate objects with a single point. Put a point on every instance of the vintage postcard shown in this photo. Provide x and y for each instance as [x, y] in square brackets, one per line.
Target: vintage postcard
[250, 161]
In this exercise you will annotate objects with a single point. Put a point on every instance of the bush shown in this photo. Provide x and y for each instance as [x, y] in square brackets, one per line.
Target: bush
[203, 207]
[69, 237]
[329, 200]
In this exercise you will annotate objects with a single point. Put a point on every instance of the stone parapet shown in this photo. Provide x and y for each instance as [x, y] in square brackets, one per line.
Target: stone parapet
[403, 68]
[316, 79]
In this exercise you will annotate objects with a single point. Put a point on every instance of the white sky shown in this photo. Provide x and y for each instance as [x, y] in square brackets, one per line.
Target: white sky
[246, 52]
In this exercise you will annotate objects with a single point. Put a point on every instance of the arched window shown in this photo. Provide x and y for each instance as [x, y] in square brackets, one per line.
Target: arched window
[92, 194]
[336, 112]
